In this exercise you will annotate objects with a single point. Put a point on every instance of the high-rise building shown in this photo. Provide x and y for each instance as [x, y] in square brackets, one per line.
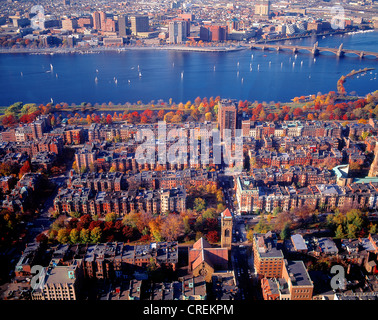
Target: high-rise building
[227, 118]
[262, 8]
[122, 25]
[102, 20]
[96, 21]
[139, 24]
[178, 31]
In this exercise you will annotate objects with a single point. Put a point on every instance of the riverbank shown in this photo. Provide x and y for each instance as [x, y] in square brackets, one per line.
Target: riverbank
[52, 51]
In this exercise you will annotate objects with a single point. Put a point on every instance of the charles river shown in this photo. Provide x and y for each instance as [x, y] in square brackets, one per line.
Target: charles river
[148, 75]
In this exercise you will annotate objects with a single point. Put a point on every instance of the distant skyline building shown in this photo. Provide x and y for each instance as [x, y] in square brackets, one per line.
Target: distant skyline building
[139, 24]
[178, 31]
[262, 8]
[96, 20]
[122, 25]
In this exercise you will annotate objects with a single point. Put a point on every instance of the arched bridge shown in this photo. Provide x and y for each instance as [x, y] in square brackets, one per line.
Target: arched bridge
[315, 50]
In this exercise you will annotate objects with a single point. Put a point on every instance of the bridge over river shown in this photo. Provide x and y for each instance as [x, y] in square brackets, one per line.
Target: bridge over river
[315, 50]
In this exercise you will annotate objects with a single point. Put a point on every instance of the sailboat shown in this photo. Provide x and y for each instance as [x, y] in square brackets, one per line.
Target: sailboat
[51, 99]
[115, 80]
[140, 74]
[301, 63]
[96, 80]
[182, 74]
[51, 67]
[214, 68]
[258, 67]
[22, 74]
[242, 80]
[281, 64]
[128, 81]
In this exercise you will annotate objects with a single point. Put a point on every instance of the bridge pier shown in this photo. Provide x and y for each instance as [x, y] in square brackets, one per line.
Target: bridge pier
[340, 51]
[295, 50]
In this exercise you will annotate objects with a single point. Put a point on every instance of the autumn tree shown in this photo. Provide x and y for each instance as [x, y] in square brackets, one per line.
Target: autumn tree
[172, 227]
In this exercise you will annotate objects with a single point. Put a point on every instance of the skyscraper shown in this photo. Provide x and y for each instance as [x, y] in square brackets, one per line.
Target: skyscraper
[227, 117]
[103, 20]
[122, 24]
[96, 20]
[262, 8]
[139, 24]
[178, 31]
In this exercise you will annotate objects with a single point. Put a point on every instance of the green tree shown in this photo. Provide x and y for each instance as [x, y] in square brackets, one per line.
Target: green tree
[285, 233]
[63, 236]
[96, 235]
[74, 236]
[340, 232]
[85, 236]
[111, 216]
[199, 204]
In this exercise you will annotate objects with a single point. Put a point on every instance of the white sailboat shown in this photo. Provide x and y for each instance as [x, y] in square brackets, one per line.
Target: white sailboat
[140, 74]
[128, 81]
[22, 74]
[182, 74]
[51, 67]
[214, 68]
[96, 79]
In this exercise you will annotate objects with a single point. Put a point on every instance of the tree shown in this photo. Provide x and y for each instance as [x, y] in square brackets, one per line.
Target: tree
[285, 233]
[172, 226]
[340, 232]
[111, 216]
[41, 238]
[74, 236]
[85, 236]
[212, 236]
[199, 204]
[63, 235]
[109, 119]
[96, 235]
[26, 167]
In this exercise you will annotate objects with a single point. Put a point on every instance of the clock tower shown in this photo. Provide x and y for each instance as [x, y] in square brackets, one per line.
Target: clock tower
[226, 226]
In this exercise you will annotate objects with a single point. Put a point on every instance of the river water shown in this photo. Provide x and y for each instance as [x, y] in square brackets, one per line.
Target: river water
[148, 75]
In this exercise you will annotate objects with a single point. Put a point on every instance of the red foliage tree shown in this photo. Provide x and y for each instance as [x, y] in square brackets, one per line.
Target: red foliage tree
[212, 236]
